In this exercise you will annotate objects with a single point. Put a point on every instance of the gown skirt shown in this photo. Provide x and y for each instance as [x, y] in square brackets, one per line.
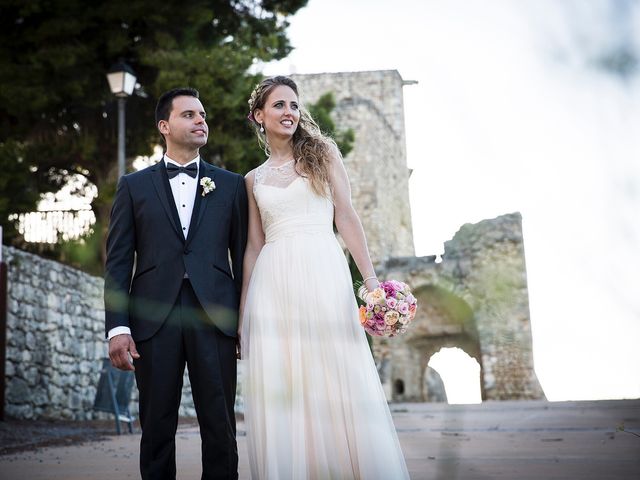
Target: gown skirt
[314, 405]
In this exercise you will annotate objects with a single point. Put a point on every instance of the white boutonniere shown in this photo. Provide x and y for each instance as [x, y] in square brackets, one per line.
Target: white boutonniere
[208, 185]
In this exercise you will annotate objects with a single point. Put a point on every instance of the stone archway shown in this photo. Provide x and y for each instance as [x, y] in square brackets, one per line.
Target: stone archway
[445, 320]
[461, 373]
[475, 299]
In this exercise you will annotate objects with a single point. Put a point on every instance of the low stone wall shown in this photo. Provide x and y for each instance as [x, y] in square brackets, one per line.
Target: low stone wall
[55, 341]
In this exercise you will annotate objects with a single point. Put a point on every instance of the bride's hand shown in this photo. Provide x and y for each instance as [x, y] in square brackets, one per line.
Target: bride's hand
[371, 284]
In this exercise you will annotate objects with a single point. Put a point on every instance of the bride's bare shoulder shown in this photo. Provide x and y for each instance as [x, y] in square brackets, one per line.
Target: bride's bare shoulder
[249, 179]
[253, 176]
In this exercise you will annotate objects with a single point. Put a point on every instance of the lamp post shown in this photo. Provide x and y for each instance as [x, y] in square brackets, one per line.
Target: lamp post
[122, 81]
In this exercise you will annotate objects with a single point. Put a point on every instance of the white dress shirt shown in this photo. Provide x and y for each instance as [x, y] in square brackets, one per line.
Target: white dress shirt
[183, 188]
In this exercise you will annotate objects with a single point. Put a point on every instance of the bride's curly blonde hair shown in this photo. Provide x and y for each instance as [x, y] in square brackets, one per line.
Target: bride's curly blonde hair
[312, 149]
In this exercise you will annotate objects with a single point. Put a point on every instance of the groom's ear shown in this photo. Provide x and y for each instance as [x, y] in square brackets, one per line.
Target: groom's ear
[163, 127]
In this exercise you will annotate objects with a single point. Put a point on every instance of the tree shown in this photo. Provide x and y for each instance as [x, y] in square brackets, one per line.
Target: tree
[321, 113]
[56, 109]
[21, 184]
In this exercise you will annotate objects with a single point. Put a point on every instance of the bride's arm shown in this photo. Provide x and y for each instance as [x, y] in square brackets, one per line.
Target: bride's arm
[347, 220]
[255, 242]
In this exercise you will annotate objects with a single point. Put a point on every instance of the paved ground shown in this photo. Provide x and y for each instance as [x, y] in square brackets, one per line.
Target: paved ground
[495, 440]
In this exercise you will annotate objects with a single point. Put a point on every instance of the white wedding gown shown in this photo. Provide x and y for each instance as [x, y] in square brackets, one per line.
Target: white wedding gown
[314, 406]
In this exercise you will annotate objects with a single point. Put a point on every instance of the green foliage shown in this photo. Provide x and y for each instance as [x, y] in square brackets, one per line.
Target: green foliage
[356, 278]
[84, 253]
[321, 113]
[58, 117]
[21, 184]
[56, 106]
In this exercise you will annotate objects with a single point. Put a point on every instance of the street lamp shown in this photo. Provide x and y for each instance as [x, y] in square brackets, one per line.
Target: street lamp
[122, 81]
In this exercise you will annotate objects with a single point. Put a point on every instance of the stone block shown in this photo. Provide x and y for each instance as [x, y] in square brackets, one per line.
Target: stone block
[39, 398]
[18, 391]
[25, 357]
[31, 374]
[13, 306]
[54, 317]
[75, 400]
[22, 411]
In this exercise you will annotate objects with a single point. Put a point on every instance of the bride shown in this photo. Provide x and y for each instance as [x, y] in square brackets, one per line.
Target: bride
[314, 406]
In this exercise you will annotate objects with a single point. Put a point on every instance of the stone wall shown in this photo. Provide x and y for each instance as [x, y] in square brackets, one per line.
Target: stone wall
[55, 341]
[371, 103]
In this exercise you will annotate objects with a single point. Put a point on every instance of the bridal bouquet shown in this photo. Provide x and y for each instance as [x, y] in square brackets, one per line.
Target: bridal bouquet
[389, 309]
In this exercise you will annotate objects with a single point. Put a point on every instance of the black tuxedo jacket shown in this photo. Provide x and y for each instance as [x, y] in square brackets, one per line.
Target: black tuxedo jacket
[147, 254]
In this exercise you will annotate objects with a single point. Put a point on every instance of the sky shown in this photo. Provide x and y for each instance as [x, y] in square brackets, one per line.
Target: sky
[513, 111]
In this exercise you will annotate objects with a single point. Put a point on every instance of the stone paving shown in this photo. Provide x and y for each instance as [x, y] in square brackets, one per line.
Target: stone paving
[494, 440]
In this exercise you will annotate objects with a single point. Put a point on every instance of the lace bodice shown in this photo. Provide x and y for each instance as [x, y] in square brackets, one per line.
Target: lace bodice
[288, 205]
[280, 176]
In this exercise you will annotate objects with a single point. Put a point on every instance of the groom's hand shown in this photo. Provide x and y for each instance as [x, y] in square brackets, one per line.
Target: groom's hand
[120, 347]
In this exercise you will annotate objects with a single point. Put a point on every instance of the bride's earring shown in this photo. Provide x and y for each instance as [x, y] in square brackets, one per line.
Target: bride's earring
[261, 128]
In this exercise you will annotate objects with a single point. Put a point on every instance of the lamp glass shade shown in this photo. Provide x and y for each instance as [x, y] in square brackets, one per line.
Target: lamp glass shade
[121, 83]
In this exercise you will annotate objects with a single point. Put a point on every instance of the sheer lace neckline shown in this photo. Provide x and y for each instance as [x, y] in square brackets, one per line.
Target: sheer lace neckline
[280, 176]
[278, 167]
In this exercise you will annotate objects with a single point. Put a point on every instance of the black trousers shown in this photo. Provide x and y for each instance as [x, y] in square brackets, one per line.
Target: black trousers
[187, 337]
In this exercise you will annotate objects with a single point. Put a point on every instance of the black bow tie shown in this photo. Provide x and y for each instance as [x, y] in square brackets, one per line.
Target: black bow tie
[191, 170]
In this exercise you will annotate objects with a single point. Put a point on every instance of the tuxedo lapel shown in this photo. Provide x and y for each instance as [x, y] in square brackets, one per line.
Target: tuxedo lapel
[163, 189]
[200, 203]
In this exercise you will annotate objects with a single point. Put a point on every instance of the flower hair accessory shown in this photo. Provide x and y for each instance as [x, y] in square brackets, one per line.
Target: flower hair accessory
[208, 185]
[252, 101]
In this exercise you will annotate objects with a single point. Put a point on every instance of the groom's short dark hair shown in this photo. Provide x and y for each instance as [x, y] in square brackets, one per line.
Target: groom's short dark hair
[165, 102]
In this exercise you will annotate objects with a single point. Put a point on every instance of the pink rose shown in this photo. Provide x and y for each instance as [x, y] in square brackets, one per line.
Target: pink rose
[392, 302]
[388, 289]
[403, 308]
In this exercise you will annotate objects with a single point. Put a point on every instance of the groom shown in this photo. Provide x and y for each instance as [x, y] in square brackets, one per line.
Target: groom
[172, 286]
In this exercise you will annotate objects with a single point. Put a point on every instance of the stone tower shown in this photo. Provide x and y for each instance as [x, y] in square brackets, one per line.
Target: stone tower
[475, 299]
[371, 103]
